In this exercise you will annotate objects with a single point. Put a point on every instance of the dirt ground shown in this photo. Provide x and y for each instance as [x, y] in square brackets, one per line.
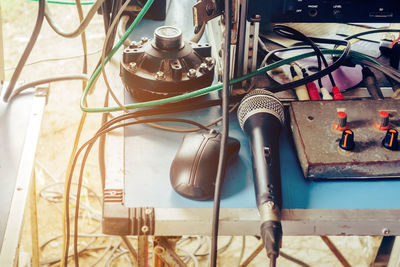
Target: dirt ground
[60, 123]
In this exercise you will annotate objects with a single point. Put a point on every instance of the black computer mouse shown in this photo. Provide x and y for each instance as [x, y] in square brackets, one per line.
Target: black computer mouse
[194, 168]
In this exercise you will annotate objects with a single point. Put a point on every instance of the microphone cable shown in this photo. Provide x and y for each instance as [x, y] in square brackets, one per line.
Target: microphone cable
[224, 133]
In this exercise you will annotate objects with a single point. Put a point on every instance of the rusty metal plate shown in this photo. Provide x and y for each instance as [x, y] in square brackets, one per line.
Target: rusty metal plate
[317, 142]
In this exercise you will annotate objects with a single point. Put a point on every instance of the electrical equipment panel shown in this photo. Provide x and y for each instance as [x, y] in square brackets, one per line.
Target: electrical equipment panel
[351, 139]
[325, 10]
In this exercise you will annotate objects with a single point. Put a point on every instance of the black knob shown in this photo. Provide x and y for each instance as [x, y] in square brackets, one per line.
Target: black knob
[390, 141]
[347, 141]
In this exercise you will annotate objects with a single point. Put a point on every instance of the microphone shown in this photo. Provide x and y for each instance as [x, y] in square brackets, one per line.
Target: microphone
[261, 116]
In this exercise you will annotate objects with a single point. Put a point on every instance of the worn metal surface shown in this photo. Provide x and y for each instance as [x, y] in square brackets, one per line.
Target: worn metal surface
[317, 142]
[20, 122]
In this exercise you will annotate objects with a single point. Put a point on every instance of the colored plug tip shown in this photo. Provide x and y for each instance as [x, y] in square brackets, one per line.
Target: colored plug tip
[337, 95]
[325, 94]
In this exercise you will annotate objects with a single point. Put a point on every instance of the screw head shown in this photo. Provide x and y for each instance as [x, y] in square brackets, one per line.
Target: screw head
[191, 73]
[160, 75]
[144, 39]
[145, 228]
[135, 44]
[385, 231]
[209, 61]
[203, 66]
[148, 211]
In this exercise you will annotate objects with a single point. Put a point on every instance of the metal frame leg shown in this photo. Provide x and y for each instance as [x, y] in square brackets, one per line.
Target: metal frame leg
[34, 223]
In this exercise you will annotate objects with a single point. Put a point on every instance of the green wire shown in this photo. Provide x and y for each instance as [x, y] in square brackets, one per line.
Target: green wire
[109, 56]
[64, 2]
[212, 88]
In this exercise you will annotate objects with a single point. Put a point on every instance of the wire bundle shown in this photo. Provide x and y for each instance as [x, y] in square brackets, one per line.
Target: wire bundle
[169, 105]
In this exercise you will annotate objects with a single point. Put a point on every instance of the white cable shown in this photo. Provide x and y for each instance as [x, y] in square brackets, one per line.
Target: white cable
[195, 261]
[242, 250]
[66, 77]
[85, 22]
[54, 59]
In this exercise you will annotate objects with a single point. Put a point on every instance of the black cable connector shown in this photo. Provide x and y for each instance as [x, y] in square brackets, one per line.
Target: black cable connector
[271, 234]
[371, 83]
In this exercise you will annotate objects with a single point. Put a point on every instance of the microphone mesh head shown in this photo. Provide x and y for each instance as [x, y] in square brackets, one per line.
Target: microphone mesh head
[260, 101]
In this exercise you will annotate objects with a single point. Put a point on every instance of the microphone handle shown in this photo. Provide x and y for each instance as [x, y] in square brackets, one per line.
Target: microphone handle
[263, 130]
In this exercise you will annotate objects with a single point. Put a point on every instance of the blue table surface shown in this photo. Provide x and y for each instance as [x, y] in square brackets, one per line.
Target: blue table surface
[149, 153]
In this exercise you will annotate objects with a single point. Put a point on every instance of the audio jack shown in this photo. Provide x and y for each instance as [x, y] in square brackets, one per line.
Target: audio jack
[271, 230]
[301, 91]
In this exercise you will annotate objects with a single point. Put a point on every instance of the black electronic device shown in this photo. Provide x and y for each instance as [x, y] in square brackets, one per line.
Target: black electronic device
[157, 11]
[327, 149]
[261, 116]
[166, 66]
[194, 168]
[324, 11]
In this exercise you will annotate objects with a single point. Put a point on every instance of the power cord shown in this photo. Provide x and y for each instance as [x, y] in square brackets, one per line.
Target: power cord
[224, 133]
[107, 127]
[82, 26]
[27, 51]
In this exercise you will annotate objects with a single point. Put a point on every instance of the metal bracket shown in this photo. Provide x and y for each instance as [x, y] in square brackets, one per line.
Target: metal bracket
[251, 44]
[120, 220]
[43, 91]
[203, 11]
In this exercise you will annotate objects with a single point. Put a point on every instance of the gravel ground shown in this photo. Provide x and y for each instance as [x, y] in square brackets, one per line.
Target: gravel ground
[60, 123]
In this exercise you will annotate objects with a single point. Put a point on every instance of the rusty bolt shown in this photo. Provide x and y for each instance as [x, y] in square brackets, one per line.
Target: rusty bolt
[256, 18]
[191, 73]
[210, 9]
[144, 39]
[133, 66]
[160, 75]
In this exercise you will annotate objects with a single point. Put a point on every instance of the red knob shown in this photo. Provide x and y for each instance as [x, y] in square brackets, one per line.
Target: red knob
[340, 123]
[383, 121]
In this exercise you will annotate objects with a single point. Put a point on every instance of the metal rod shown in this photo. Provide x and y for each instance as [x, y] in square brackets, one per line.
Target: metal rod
[335, 251]
[34, 224]
[143, 250]
[131, 249]
[254, 254]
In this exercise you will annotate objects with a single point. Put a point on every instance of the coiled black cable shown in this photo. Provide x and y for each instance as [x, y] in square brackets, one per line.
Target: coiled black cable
[291, 33]
[340, 61]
